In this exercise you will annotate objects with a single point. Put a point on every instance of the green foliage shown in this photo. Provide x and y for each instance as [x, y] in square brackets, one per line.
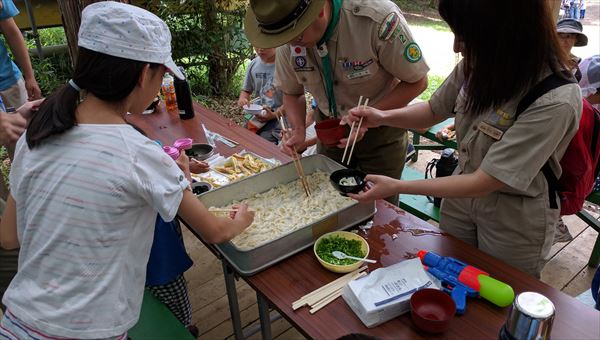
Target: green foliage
[208, 40]
[54, 70]
[433, 83]
[4, 165]
[422, 13]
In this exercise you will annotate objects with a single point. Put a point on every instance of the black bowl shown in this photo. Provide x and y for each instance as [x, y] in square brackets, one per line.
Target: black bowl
[358, 176]
[199, 188]
[200, 151]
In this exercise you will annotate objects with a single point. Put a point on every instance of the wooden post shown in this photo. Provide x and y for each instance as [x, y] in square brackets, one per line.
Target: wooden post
[70, 11]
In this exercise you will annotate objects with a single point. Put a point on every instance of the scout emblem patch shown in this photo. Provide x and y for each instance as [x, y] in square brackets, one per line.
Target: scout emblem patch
[300, 62]
[388, 26]
[412, 52]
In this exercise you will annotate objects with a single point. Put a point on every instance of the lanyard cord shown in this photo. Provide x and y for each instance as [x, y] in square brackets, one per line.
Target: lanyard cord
[324, 54]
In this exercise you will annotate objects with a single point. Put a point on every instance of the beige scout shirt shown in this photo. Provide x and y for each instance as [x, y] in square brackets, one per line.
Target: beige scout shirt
[363, 63]
[542, 132]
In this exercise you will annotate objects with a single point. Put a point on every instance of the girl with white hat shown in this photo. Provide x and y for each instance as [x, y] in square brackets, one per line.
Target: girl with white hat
[86, 187]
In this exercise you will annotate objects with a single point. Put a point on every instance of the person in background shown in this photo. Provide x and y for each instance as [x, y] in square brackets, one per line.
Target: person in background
[582, 8]
[574, 9]
[570, 33]
[259, 83]
[15, 87]
[86, 187]
[498, 198]
[339, 51]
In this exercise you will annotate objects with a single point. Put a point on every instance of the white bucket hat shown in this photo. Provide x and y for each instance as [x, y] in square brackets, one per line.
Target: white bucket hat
[590, 71]
[126, 31]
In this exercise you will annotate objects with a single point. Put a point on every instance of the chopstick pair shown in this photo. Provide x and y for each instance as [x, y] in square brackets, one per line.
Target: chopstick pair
[295, 158]
[320, 297]
[356, 135]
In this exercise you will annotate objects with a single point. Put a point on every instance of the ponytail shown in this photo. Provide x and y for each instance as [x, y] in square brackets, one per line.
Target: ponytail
[55, 116]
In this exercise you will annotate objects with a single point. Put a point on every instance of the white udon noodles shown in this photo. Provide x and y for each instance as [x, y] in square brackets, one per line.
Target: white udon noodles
[286, 208]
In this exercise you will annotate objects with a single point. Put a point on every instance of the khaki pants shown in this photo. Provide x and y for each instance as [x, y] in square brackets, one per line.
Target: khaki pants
[515, 229]
[382, 151]
[16, 95]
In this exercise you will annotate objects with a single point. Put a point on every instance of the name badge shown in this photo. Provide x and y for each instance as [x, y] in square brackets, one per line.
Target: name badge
[490, 130]
[359, 74]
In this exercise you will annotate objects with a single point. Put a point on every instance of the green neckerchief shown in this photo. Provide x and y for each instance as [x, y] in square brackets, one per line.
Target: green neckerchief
[324, 54]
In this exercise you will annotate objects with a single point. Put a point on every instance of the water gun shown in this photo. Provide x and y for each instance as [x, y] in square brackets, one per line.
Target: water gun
[461, 280]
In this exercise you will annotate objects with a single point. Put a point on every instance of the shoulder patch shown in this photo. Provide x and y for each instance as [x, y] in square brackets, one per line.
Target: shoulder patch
[388, 26]
[412, 52]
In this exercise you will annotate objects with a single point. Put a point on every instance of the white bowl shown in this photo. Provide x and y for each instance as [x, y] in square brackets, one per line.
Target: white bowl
[253, 109]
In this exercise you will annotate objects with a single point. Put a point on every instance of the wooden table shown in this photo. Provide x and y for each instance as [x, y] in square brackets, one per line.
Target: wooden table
[396, 235]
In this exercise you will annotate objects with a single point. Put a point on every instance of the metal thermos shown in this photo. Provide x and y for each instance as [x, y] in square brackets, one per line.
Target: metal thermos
[184, 97]
[530, 318]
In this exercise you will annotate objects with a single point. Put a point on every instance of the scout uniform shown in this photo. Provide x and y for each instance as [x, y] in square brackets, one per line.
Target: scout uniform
[370, 50]
[515, 224]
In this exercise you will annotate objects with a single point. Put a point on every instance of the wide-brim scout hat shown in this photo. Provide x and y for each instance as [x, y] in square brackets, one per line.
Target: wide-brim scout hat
[126, 31]
[572, 26]
[272, 23]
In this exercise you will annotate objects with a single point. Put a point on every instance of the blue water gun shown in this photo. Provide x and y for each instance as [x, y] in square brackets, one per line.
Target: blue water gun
[461, 281]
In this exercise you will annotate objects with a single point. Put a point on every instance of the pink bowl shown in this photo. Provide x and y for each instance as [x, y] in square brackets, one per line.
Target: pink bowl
[171, 151]
[432, 310]
[183, 143]
[329, 132]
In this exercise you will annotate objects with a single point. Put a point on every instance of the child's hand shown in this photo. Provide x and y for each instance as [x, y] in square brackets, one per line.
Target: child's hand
[266, 115]
[243, 214]
[197, 167]
[242, 102]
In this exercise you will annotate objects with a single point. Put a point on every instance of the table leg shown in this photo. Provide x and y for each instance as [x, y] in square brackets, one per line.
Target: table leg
[265, 318]
[595, 224]
[234, 308]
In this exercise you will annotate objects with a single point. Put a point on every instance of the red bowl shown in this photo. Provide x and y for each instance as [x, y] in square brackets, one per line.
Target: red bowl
[432, 310]
[329, 132]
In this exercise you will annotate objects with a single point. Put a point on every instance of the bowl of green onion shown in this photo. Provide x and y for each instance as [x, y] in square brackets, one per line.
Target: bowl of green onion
[349, 243]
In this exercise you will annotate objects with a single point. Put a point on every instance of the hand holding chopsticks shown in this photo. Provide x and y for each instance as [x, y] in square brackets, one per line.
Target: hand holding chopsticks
[355, 135]
[295, 158]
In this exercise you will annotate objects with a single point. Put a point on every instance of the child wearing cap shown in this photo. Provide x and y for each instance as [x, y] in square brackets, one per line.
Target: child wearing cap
[258, 82]
[86, 188]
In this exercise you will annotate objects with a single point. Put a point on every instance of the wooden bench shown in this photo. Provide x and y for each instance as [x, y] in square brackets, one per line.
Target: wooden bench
[157, 322]
[430, 134]
[418, 205]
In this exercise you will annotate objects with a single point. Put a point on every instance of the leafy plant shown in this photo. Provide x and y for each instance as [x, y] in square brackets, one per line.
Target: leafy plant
[434, 82]
[208, 40]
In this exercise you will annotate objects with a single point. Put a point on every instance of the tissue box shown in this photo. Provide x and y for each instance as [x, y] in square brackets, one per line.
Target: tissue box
[385, 293]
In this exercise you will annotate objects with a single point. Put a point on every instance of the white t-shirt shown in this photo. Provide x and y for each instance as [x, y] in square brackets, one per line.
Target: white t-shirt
[86, 206]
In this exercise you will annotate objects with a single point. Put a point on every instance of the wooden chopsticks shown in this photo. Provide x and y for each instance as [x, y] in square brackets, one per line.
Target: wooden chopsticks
[319, 298]
[295, 158]
[356, 135]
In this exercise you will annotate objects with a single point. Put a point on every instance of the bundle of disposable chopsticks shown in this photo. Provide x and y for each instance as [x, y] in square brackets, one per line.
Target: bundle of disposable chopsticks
[295, 155]
[355, 135]
[321, 297]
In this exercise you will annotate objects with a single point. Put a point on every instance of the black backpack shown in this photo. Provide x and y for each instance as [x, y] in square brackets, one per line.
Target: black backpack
[444, 166]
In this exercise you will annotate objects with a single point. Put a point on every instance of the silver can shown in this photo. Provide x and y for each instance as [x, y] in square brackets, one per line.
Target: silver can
[530, 318]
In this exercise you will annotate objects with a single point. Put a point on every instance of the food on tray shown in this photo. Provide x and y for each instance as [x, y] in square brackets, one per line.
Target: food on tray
[327, 245]
[286, 208]
[238, 166]
[348, 181]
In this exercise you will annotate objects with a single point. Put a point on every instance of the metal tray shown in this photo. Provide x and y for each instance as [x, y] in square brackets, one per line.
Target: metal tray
[248, 262]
